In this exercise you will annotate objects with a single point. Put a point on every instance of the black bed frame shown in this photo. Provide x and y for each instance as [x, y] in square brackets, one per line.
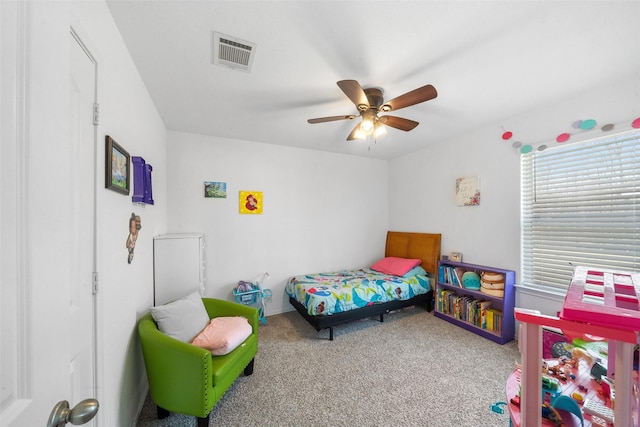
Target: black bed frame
[324, 322]
[423, 246]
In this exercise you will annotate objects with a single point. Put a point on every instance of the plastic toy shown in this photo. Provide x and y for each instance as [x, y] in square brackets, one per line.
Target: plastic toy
[598, 371]
[550, 384]
[566, 403]
[251, 293]
[578, 355]
[550, 413]
[244, 286]
[595, 408]
[614, 316]
[497, 407]
[608, 388]
[577, 397]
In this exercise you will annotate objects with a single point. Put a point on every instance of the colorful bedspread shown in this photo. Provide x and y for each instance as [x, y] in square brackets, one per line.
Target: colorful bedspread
[336, 292]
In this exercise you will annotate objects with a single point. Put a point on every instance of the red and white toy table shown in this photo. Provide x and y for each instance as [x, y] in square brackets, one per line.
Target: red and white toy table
[599, 303]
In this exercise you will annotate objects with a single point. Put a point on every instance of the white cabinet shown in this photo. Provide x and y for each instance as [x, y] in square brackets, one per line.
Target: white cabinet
[178, 266]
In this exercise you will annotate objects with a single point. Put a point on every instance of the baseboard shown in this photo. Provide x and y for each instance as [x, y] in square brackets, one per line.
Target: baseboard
[142, 397]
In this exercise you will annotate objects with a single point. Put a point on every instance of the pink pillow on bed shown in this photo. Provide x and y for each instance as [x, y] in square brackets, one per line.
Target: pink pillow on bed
[395, 266]
[223, 334]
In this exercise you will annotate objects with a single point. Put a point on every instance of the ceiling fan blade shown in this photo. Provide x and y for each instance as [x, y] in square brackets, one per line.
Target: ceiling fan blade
[398, 122]
[414, 97]
[356, 94]
[331, 119]
[352, 135]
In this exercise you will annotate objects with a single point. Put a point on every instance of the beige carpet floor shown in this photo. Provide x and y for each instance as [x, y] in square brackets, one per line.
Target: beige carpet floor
[413, 369]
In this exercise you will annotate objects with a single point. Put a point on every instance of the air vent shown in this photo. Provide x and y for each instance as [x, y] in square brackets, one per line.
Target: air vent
[232, 52]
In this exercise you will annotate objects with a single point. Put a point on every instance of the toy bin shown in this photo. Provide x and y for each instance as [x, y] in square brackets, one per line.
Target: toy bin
[252, 294]
[247, 297]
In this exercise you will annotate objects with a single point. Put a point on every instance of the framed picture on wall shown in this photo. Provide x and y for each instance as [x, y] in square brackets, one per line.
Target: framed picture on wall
[468, 191]
[216, 190]
[250, 202]
[117, 173]
[455, 256]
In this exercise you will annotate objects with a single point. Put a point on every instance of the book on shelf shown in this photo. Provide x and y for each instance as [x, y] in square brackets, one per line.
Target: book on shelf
[490, 320]
[468, 309]
[458, 272]
[451, 275]
[494, 320]
[454, 277]
[484, 307]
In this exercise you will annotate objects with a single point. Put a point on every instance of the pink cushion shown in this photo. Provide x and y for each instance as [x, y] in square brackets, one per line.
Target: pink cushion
[395, 266]
[223, 334]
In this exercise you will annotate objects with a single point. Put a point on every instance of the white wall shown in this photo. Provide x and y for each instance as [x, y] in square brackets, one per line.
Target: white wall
[322, 211]
[128, 115]
[486, 234]
[489, 234]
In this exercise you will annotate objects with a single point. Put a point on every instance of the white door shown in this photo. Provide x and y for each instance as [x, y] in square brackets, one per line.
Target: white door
[81, 340]
[46, 256]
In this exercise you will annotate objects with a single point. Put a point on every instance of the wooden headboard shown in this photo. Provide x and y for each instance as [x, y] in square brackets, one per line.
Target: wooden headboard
[422, 246]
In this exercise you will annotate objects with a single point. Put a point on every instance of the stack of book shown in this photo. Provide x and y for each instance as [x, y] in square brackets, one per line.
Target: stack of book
[494, 320]
[451, 275]
[468, 309]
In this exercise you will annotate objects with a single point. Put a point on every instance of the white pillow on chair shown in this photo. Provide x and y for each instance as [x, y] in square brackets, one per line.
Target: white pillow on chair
[182, 319]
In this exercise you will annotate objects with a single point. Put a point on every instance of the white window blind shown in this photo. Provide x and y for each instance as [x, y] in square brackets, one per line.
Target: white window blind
[580, 206]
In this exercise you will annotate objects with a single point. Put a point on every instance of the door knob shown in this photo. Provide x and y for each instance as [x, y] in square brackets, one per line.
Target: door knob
[80, 414]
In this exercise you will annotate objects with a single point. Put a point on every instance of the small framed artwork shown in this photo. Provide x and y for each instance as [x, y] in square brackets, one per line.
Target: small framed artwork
[468, 191]
[116, 168]
[217, 190]
[455, 256]
[250, 202]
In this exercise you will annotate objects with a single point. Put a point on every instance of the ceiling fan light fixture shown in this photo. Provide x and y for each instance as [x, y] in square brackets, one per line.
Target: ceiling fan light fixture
[359, 134]
[370, 102]
[366, 126]
[379, 130]
[369, 119]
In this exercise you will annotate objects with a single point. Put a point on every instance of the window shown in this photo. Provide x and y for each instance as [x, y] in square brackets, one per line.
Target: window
[580, 206]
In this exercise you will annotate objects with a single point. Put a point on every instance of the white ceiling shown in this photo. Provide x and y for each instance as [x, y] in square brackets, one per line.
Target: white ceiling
[489, 61]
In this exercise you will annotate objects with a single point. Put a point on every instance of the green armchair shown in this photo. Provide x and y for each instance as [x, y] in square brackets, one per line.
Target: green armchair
[187, 379]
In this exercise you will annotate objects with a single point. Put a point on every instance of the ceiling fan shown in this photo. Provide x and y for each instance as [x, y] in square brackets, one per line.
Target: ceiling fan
[370, 104]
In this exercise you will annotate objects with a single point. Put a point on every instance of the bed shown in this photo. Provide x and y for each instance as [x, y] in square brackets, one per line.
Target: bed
[329, 299]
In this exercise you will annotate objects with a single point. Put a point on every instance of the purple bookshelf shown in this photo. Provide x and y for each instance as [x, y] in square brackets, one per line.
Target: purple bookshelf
[467, 308]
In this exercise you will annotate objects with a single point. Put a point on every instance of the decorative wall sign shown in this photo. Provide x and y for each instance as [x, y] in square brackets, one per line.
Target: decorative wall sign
[216, 190]
[250, 202]
[135, 224]
[142, 187]
[116, 167]
[468, 191]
